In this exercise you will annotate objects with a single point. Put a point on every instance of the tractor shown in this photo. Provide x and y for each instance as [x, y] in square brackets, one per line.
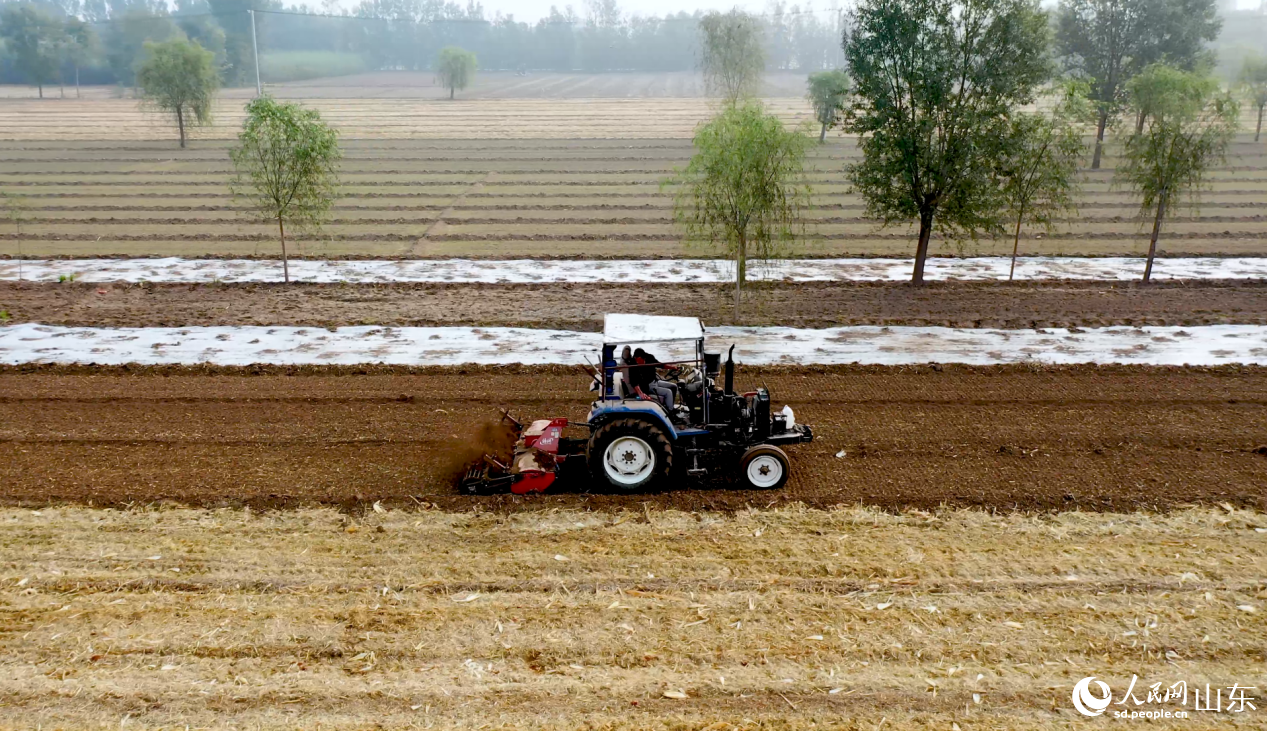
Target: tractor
[635, 440]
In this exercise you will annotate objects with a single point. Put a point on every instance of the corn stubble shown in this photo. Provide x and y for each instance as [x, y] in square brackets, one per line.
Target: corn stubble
[785, 619]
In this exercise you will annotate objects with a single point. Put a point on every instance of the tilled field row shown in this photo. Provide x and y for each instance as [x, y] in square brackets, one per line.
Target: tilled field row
[123, 119]
[1218, 181]
[824, 170]
[580, 307]
[369, 118]
[1012, 438]
[516, 227]
[492, 203]
[530, 246]
[1242, 146]
[46, 221]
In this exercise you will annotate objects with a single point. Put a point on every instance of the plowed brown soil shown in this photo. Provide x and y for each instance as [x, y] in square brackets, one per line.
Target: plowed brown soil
[581, 306]
[1080, 437]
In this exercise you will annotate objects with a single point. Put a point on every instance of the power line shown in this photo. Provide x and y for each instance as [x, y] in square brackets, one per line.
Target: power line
[138, 17]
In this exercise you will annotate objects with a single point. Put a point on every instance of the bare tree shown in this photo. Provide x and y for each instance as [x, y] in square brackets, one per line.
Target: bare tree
[1040, 168]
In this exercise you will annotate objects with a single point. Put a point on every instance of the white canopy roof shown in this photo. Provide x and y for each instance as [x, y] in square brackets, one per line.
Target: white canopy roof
[650, 328]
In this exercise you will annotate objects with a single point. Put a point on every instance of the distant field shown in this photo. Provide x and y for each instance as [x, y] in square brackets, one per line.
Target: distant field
[524, 197]
[517, 118]
[488, 85]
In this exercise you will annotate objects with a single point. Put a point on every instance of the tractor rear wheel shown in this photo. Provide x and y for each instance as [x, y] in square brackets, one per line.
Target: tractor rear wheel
[764, 468]
[629, 454]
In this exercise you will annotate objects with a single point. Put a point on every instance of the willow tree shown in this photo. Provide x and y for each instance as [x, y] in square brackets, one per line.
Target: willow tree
[744, 189]
[180, 78]
[456, 67]
[1188, 130]
[936, 84]
[827, 92]
[732, 55]
[286, 166]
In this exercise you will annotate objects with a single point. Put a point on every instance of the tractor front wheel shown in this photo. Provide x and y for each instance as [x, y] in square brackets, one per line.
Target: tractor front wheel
[764, 468]
[630, 454]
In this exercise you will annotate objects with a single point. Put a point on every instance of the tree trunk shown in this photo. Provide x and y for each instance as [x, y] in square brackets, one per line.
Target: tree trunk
[921, 251]
[1099, 139]
[1016, 244]
[822, 136]
[451, 90]
[1152, 245]
[41, 88]
[1139, 121]
[281, 229]
[76, 81]
[1259, 130]
[180, 122]
[741, 271]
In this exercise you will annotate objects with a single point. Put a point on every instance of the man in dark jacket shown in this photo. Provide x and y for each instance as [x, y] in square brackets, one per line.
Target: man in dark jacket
[643, 375]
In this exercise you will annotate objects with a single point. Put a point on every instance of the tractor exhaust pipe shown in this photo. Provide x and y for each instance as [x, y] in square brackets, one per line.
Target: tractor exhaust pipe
[730, 371]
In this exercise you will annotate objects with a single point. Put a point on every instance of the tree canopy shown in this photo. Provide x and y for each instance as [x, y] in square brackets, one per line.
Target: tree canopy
[744, 188]
[179, 77]
[936, 84]
[456, 68]
[1189, 127]
[731, 54]
[1107, 42]
[1253, 79]
[34, 39]
[286, 166]
[81, 45]
[827, 91]
[126, 36]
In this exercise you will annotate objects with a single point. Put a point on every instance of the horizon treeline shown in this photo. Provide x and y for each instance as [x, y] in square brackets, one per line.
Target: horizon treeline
[297, 41]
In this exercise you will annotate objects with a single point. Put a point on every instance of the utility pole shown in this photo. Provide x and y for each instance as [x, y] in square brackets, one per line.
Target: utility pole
[255, 47]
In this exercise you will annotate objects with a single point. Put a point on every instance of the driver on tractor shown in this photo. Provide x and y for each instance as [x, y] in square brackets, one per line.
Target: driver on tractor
[647, 382]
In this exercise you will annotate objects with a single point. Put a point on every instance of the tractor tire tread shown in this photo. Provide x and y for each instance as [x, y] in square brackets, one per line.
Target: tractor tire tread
[654, 436]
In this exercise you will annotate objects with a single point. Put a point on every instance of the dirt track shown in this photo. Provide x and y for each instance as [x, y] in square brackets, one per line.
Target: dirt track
[1085, 438]
[581, 306]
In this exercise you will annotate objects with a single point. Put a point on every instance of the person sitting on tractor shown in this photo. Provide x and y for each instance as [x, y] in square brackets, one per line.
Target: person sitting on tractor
[644, 377]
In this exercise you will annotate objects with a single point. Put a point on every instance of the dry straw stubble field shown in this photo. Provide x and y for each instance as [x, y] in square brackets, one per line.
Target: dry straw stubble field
[786, 619]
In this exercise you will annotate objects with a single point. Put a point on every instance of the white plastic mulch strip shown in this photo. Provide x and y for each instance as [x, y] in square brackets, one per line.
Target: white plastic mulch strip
[528, 271]
[1205, 345]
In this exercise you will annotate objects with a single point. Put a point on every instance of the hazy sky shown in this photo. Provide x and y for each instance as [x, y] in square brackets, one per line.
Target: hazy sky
[533, 10]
